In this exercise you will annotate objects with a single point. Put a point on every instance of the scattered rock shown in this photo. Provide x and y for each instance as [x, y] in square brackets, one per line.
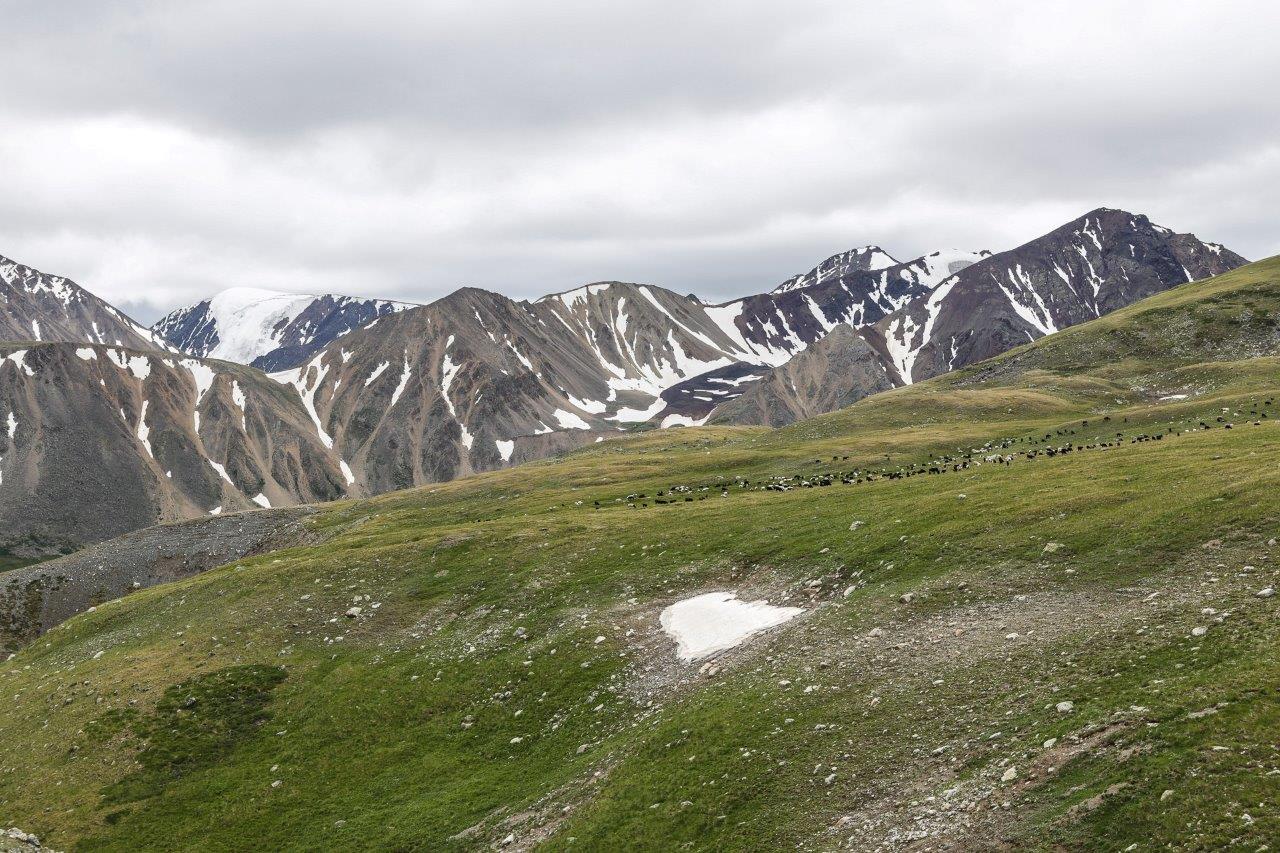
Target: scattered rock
[1265, 593]
[25, 841]
[1009, 775]
[1166, 795]
[1199, 631]
[907, 597]
[1065, 707]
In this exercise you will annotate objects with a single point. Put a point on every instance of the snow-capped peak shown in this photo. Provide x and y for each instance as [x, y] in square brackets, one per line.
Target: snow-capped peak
[249, 320]
[864, 258]
[270, 329]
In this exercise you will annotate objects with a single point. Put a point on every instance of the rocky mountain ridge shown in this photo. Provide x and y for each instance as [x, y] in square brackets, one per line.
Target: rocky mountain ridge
[1104, 260]
[38, 306]
[1100, 262]
[96, 441]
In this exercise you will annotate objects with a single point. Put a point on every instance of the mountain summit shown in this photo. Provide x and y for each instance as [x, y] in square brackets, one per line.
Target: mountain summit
[865, 259]
[1093, 265]
[37, 306]
[268, 329]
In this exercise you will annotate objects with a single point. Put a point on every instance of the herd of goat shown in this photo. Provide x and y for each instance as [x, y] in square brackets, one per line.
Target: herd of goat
[1049, 445]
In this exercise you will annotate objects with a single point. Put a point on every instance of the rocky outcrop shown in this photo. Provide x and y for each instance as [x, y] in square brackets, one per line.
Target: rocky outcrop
[14, 840]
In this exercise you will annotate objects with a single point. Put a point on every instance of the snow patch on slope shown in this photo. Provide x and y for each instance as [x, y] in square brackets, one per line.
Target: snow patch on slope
[717, 621]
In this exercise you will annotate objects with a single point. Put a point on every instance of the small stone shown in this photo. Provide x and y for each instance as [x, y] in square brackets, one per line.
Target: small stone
[1065, 707]
[276, 784]
[1050, 743]
[1009, 775]
[907, 597]
[1166, 795]
[1265, 593]
[875, 632]
[353, 612]
[1199, 631]
[1050, 547]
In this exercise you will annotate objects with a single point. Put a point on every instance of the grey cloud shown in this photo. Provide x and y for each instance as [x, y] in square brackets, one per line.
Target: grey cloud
[159, 151]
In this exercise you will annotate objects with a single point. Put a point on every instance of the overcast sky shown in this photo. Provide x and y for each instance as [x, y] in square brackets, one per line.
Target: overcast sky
[158, 151]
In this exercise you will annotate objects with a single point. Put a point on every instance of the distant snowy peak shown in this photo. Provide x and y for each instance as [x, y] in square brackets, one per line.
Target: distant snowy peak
[38, 306]
[269, 329]
[864, 259]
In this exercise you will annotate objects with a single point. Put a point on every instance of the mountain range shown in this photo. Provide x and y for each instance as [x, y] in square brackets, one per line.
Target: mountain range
[368, 396]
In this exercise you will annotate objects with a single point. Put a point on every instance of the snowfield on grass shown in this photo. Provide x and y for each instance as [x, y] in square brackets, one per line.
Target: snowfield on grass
[716, 621]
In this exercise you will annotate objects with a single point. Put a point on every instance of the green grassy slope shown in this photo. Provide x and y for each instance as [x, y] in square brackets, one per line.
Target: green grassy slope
[506, 678]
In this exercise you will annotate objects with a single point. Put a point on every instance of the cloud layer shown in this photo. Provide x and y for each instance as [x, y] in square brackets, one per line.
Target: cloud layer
[160, 151]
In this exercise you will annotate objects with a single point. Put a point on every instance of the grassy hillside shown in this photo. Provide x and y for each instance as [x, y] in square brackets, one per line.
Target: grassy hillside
[505, 682]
